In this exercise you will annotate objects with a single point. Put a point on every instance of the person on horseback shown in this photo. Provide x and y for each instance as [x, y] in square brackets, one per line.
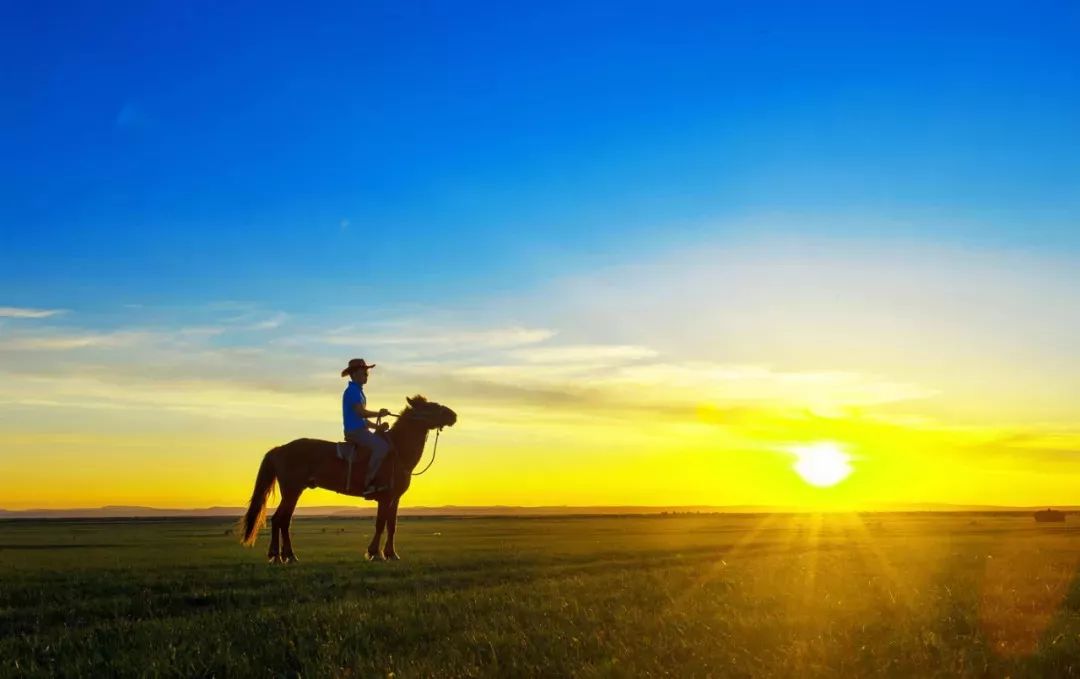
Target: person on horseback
[356, 424]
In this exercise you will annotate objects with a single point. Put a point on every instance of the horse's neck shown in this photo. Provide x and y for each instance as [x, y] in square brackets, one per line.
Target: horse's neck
[409, 442]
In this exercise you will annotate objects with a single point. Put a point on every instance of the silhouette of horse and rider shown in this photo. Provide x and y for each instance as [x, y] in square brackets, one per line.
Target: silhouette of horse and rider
[375, 462]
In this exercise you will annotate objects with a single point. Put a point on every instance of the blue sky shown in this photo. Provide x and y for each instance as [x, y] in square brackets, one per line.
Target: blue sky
[386, 153]
[749, 226]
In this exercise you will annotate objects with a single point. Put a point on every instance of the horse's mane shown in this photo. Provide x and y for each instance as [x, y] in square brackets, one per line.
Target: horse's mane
[418, 399]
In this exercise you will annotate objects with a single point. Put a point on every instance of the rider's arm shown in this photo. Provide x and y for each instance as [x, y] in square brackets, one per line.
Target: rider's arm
[364, 413]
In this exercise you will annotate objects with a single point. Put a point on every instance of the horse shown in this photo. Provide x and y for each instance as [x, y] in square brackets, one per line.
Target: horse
[314, 463]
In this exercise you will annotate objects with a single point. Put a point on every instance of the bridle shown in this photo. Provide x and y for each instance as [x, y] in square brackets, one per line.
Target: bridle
[412, 415]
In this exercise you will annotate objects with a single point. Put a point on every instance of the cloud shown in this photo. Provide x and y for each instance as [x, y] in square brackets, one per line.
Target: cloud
[678, 392]
[741, 383]
[439, 338]
[66, 342]
[224, 315]
[919, 336]
[151, 396]
[22, 312]
[978, 327]
[271, 322]
[512, 370]
[603, 354]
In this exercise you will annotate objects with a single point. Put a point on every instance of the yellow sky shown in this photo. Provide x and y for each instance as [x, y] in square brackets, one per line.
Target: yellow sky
[685, 380]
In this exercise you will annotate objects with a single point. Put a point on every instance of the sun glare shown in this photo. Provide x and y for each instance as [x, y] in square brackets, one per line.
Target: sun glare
[822, 464]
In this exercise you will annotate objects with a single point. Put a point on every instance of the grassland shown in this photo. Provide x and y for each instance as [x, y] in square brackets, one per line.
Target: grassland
[843, 595]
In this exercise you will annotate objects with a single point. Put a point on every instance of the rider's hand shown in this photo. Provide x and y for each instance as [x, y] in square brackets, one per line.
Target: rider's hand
[383, 426]
[383, 412]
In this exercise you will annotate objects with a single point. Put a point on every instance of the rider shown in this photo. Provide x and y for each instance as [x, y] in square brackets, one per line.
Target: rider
[357, 427]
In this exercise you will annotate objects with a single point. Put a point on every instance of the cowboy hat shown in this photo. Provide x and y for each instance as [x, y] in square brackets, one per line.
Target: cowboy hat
[354, 365]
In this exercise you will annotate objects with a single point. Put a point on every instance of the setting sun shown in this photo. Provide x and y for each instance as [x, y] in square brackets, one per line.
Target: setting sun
[822, 464]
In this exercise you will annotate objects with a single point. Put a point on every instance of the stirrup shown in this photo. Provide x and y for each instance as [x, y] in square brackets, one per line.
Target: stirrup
[373, 489]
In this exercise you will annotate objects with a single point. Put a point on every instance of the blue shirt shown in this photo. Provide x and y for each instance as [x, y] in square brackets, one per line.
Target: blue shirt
[354, 394]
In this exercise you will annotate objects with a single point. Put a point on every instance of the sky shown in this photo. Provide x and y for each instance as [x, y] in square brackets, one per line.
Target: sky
[648, 252]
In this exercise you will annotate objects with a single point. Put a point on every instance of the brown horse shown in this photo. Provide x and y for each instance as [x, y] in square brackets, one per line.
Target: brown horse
[313, 463]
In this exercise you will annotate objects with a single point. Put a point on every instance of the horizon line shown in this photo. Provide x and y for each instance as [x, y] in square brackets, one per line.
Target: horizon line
[220, 511]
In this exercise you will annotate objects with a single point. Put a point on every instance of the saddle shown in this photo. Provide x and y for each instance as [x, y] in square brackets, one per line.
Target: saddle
[346, 450]
[349, 452]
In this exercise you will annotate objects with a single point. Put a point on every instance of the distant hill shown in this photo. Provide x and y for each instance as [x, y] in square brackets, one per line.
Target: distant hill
[121, 511]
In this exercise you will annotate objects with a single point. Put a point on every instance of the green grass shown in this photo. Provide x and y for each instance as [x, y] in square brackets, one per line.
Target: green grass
[871, 595]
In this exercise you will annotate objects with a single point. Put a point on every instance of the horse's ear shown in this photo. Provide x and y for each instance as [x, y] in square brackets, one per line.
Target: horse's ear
[410, 401]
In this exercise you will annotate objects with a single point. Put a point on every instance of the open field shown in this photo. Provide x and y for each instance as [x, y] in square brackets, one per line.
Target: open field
[770, 595]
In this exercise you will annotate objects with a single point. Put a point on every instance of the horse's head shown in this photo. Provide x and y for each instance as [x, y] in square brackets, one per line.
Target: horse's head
[433, 415]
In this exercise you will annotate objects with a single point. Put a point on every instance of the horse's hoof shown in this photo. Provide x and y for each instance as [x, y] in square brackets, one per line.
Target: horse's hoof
[273, 559]
[393, 556]
[289, 558]
[374, 556]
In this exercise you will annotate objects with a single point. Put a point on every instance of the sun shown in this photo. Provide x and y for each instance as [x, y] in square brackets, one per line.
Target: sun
[822, 464]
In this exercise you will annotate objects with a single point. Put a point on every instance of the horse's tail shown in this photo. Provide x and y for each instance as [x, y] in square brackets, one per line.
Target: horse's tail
[256, 513]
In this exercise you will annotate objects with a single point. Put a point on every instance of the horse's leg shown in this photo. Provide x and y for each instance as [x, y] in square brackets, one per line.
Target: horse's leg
[391, 528]
[374, 553]
[289, 499]
[274, 553]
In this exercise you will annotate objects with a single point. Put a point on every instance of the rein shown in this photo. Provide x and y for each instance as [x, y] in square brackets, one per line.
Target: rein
[434, 450]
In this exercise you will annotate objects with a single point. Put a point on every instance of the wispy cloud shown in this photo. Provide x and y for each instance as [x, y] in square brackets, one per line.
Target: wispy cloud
[270, 323]
[604, 354]
[977, 327]
[65, 342]
[23, 312]
[740, 383]
[245, 314]
[440, 338]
